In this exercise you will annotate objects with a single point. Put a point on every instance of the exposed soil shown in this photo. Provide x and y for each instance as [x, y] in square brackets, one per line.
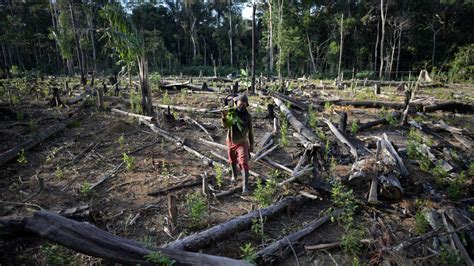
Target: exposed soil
[81, 154]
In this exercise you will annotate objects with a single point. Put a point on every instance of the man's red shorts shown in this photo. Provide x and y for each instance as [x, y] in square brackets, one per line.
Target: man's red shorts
[238, 154]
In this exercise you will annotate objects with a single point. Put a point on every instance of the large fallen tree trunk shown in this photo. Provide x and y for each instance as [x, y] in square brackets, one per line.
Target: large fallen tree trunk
[88, 239]
[342, 138]
[381, 121]
[223, 230]
[35, 140]
[279, 249]
[456, 107]
[297, 125]
[293, 102]
[187, 109]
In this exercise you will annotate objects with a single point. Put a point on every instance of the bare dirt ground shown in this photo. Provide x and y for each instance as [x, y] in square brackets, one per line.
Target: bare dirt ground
[68, 163]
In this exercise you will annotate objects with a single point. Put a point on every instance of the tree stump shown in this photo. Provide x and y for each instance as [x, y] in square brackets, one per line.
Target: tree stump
[56, 100]
[172, 213]
[377, 88]
[343, 122]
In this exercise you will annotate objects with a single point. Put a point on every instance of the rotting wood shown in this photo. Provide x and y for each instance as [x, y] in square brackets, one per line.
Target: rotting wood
[186, 184]
[200, 126]
[35, 140]
[381, 121]
[223, 230]
[263, 154]
[187, 109]
[459, 245]
[333, 245]
[88, 239]
[393, 152]
[455, 107]
[278, 250]
[295, 123]
[172, 213]
[342, 138]
[143, 117]
[292, 101]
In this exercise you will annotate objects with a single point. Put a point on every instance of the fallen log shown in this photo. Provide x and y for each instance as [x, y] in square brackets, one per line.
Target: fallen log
[455, 107]
[381, 121]
[167, 190]
[297, 125]
[187, 109]
[393, 152]
[279, 249]
[200, 126]
[223, 230]
[88, 239]
[342, 138]
[293, 102]
[35, 140]
[143, 117]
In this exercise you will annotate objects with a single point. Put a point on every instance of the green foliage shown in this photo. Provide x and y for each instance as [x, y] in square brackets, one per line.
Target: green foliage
[233, 119]
[343, 199]
[219, 175]
[147, 241]
[439, 173]
[166, 98]
[33, 125]
[421, 224]
[470, 170]
[457, 187]
[248, 253]
[327, 149]
[312, 117]
[59, 173]
[22, 157]
[196, 204]
[415, 140]
[121, 141]
[462, 66]
[86, 191]
[354, 127]
[258, 227]
[283, 131]
[135, 102]
[264, 193]
[449, 256]
[56, 255]
[74, 124]
[350, 241]
[328, 107]
[129, 162]
[157, 258]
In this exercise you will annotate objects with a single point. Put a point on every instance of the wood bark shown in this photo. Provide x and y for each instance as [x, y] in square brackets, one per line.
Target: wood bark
[297, 125]
[188, 183]
[35, 140]
[377, 122]
[342, 138]
[88, 239]
[279, 249]
[223, 230]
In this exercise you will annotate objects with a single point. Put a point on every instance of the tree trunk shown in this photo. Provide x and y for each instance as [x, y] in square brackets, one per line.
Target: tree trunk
[253, 48]
[313, 64]
[376, 50]
[340, 49]
[88, 239]
[223, 230]
[147, 103]
[270, 36]
[297, 125]
[398, 52]
[80, 55]
[230, 35]
[382, 15]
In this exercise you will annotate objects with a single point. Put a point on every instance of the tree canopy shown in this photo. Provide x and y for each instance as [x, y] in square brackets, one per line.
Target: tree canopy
[293, 37]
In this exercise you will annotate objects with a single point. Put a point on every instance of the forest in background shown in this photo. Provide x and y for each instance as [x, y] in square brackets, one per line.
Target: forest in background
[382, 39]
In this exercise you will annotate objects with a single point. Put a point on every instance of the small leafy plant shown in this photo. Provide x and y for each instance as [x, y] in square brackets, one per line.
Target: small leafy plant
[59, 173]
[312, 118]
[354, 127]
[264, 193]
[219, 175]
[421, 224]
[258, 227]
[157, 258]
[129, 162]
[86, 191]
[55, 254]
[457, 187]
[248, 253]
[197, 205]
[22, 157]
[233, 119]
[121, 141]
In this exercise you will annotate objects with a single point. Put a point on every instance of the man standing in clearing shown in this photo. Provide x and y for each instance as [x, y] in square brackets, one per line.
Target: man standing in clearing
[240, 139]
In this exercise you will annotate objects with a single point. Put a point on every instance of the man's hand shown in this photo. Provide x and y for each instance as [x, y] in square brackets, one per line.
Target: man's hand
[223, 113]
